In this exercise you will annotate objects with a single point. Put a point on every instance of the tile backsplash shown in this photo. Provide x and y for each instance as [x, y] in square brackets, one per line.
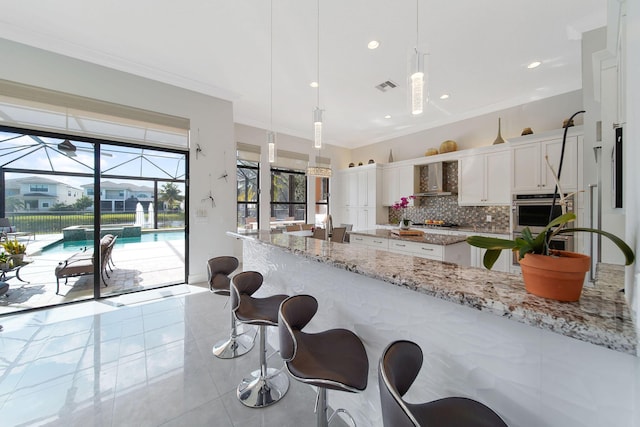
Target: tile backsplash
[446, 208]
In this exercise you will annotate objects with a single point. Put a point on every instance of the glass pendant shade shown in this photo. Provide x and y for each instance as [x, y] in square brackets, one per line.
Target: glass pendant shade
[271, 143]
[317, 128]
[417, 84]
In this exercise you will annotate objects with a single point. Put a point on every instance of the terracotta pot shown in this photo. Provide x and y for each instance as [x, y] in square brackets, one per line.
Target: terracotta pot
[559, 276]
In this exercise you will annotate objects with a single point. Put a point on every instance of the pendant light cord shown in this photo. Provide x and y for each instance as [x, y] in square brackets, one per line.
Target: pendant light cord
[318, 54]
[271, 66]
[417, 23]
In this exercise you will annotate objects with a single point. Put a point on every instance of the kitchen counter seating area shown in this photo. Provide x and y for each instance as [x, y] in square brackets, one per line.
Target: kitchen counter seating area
[484, 337]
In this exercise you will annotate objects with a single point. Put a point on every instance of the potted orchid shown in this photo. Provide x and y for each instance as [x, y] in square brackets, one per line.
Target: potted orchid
[402, 204]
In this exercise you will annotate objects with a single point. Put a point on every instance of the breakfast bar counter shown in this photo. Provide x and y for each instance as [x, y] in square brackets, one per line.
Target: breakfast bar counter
[483, 335]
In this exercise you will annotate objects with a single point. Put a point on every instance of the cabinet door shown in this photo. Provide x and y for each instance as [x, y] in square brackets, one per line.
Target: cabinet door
[406, 183]
[526, 168]
[351, 189]
[471, 185]
[389, 185]
[569, 175]
[372, 188]
[497, 178]
[363, 188]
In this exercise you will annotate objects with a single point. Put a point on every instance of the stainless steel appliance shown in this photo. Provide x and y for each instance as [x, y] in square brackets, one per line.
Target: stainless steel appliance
[532, 210]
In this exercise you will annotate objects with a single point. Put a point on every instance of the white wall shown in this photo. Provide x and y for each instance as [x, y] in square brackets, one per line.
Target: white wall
[211, 123]
[632, 152]
[541, 116]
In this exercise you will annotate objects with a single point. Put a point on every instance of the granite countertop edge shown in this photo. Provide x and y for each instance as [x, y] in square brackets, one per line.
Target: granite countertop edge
[601, 317]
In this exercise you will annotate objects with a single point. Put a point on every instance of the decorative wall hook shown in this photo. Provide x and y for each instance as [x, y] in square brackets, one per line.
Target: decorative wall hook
[199, 151]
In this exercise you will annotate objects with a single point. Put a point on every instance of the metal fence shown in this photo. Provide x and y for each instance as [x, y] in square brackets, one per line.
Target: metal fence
[55, 222]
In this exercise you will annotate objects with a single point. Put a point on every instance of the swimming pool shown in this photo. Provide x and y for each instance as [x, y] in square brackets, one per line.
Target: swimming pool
[74, 246]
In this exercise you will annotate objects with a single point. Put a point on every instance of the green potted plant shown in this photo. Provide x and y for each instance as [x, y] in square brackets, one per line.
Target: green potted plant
[546, 272]
[15, 249]
[4, 261]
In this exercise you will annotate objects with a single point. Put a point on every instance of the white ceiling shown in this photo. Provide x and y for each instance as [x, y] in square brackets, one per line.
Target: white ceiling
[478, 53]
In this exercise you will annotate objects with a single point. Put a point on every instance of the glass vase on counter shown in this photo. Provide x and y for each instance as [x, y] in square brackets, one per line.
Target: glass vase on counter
[402, 204]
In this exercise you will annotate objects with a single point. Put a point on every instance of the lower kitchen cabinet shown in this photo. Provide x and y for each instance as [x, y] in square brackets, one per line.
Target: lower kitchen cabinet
[457, 253]
[502, 264]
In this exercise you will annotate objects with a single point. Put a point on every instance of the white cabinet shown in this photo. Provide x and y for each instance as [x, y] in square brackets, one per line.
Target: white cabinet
[457, 253]
[502, 264]
[376, 242]
[360, 200]
[397, 182]
[531, 173]
[484, 179]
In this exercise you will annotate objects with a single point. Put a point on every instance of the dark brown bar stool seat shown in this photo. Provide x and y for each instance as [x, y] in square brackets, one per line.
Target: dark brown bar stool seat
[268, 385]
[399, 367]
[219, 269]
[333, 359]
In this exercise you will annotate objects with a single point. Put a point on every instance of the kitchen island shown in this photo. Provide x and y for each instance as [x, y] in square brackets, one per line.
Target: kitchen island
[534, 361]
[438, 247]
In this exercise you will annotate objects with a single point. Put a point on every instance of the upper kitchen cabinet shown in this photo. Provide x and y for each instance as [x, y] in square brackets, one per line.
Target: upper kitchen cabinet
[484, 179]
[398, 181]
[531, 173]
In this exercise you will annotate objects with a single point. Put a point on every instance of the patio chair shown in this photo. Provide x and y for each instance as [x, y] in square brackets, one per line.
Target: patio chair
[308, 226]
[295, 227]
[320, 233]
[5, 227]
[81, 264]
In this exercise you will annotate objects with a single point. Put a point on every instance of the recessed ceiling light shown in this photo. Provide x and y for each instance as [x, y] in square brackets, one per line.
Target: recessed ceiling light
[373, 44]
[534, 64]
[444, 96]
[313, 84]
[388, 116]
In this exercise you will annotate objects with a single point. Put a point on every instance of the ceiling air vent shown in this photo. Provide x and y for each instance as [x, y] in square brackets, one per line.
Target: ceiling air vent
[384, 86]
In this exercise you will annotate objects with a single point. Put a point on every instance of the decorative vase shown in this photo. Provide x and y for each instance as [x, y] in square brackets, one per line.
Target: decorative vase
[499, 139]
[559, 276]
[404, 224]
[390, 156]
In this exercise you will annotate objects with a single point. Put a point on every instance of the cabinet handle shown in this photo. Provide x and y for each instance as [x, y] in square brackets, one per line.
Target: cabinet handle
[359, 239]
[426, 249]
[377, 241]
[399, 245]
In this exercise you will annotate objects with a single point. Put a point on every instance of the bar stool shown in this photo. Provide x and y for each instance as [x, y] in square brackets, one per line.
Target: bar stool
[267, 385]
[399, 366]
[219, 269]
[333, 359]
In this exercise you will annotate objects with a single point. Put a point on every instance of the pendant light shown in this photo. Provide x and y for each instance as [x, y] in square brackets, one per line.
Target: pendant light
[271, 135]
[316, 169]
[417, 75]
[317, 112]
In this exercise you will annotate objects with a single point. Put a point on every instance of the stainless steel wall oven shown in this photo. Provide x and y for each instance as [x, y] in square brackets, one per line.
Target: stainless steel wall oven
[532, 210]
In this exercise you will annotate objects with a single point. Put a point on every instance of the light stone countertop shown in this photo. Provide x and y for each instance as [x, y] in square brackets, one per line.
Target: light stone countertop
[600, 317]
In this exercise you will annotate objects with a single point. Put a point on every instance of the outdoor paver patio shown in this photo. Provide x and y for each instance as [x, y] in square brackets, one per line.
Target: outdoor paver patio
[138, 266]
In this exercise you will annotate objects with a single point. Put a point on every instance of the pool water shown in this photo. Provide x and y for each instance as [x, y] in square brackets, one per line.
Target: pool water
[75, 246]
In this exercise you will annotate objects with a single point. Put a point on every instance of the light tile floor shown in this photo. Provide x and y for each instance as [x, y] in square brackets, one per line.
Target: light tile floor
[122, 362]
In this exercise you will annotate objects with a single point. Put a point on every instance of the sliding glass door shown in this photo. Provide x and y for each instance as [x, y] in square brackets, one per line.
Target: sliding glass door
[96, 218]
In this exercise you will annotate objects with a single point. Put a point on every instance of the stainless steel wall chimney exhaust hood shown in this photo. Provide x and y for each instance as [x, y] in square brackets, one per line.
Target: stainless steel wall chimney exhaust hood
[435, 181]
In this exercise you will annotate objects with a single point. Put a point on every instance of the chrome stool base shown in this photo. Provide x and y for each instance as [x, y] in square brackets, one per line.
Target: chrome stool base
[261, 391]
[233, 346]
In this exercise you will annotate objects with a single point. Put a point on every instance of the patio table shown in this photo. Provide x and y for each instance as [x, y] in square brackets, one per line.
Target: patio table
[4, 273]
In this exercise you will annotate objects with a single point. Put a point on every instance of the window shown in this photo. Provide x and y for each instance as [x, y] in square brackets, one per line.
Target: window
[89, 191]
[288, 195]
[45, 204]
[322, 199]
[39, 188]
[247, 196]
